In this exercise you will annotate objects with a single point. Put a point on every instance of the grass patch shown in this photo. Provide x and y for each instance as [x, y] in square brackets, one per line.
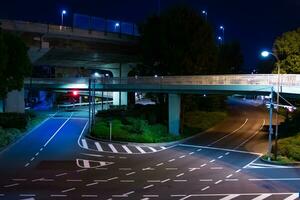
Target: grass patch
[290, 147]
[281, 160]
[133, 129]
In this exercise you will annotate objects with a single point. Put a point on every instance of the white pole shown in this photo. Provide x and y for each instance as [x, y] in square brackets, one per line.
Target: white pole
[270, 125]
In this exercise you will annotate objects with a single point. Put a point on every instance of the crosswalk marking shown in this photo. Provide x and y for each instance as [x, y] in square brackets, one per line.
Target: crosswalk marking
[111, 146]
[98, 146]
[86, 164]
[293, 197]
[262, 196]
[126, 149]
[84, 143]
[140, 149]
[154, 150]
[229, 197]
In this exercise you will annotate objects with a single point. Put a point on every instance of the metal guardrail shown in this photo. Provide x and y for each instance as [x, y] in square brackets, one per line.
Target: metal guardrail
[248, 79]
[15, 25]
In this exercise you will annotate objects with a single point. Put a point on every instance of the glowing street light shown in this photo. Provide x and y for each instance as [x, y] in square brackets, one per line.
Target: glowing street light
[220, 39]
[222, 28]
[267, 54]
[204, 12]
[63, 12]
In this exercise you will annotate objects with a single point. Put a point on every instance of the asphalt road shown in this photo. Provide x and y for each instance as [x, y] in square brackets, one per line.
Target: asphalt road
[56, 161]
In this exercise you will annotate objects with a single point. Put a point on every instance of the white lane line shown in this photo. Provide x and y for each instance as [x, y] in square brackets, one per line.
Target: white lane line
[128, 174]
[182, 156]
[237, 171]
[11, 185]
[68, 190]
[199, 149]
[125, 169]
[216, 168]
[191, 153]
[41, 149]
[212, 161]
[153, 181]
[227, 153]
[74, 180]
[37, 153]
[220, 157]
[140, 149]
[113, 178]
[159, 164]
[127, 149]
[171, 160]
[62, 174]
[91, 184]
[207, 187]
[58, 195]
[171, 168]
[148, 186]
[178, 175]
[57, 131]
[127, 181]
[257, 132]
[152, 149]
[148, 169]
[163, 148]
[219, 181]
[262, 196]
[230, 175]
[232, 179]
[27, 195]
[193, 169]
[293, 196]
[203, 165]
[151, 195]
[229, 133]
[86, 164]
[274, 179]
[166, 180]
[205, 180]
[112, 147]
[27, 164]
[128, 193]
[81, 170]
[101, 181]
[89, 196]
[180, 180]
[19, 179]
[98, 146]
[231, 196]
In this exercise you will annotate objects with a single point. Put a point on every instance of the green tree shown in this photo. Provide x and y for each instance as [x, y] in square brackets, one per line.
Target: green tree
[14, 63]
[230, 58]
[178, 42]
[287, 47]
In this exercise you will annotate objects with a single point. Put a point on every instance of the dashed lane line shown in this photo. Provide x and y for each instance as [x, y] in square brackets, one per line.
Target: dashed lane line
[205, 180]
[159, 164]
[127, 181]
[89, 196]
[171, 160]
[128, 174]
[166, 180]
[62, 174]
[150, 195]
[113, 178]
[153, 181]
[91, 184]
[58, 195]
[219, 181]
[74, 180]
[11, 185]
[68, 190]
[148, 186]
[178, 175]
[230, 175]
[205, 188]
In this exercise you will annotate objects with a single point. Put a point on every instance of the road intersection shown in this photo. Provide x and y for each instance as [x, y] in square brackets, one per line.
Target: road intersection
[52, 162]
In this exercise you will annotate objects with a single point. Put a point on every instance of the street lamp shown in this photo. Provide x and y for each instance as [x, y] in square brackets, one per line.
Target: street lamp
[220, 39]
[223, 32]
[266, 54]
[63, 12]
[204, 12]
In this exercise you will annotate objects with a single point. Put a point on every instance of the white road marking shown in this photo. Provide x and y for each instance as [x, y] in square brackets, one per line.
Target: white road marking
[140, 149]
[127, 181]
[41, 149]
[125, 169]
[231, 196]
[180, 180]
[182, 156]
[237, 171]
[148, 169]
[212, 161]
[232, 179]
[203, 165]
[171, 168]
[19, 179]
[151, 195]
[229, 133]
[191, 153]
[293, 196]
[127, 149]
[207, 187]
[58, 195]
[27, 195]
[171, 160]
[152, 149]
[11, 185]
[37, 153]
[128, 193]
[230, 175]
[193, 169]
[148, 186]
[91, 184]
[101, 181]
[89, 196]
[130, 173]
[262, 196]
[220, 157]
[68, 190]
[205, 180]
[227, 153]
[113, 178]
[166, 180]
[74, 180]
[153, 181]
[216, 168]
[98, 146]
[199, 149]
[219, 181]
[32, 159]
[112, 147]
[159, 164]
[62, 174]
[178, 175]
[163, 148]
[27, 164]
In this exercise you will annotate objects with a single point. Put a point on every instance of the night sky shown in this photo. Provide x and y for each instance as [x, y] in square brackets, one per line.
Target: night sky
[255, 23]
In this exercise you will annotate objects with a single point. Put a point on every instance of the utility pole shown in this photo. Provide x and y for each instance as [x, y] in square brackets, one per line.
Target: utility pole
[270, 124]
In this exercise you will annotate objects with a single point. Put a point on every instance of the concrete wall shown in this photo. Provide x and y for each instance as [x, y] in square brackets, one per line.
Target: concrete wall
[15, 102]
[174, 113]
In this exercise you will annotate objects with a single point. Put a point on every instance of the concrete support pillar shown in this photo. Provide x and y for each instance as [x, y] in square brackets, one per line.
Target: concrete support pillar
[174, 113]
[15, 102]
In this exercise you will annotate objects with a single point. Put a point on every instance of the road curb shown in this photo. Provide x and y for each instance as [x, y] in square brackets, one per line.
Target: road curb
[281, 164]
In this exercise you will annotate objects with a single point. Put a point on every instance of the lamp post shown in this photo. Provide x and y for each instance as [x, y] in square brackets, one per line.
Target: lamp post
[266, 54]
[63, 12]
[222, 28]
[220, 39]
[204, 12]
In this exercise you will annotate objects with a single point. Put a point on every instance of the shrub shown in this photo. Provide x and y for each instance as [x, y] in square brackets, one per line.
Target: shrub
[13, 120]
[8, 135]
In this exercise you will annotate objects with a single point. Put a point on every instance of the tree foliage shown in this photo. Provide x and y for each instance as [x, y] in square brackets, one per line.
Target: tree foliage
[14, 63]
[287, 47]
[178, 42]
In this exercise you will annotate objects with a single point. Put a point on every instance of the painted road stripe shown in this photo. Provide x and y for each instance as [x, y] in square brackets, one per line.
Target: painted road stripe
[140, 149]
[62, 174]
[84, 144]
[86, 164]
[293, 196]
[205, 180]
[171, 160]
[89, 196]
[229, 197]
[159, 164]
[153, 181]
[74, 180]
[110, 179]
[152, 149]
[126, 149]
[130, 173]
[128, 193]
[274, 179]
[112, 147]
[11, 185]
[182, 156]
[90, 184]
[127, 181]
[262, 196]
[68, 190]
[166, 180]
[180, 175]
[27, 195]
[207, 187]
[98, 146]
[230, 175]
[219, 181]
[148, 186]
[58, 195]
[151, 195]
